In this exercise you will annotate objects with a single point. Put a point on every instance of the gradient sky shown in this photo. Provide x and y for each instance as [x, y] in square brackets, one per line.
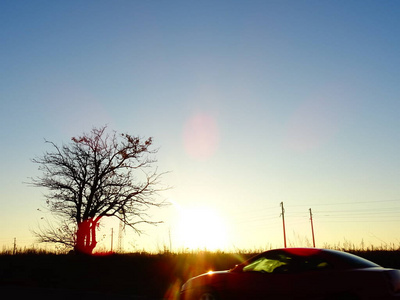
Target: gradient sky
[252, 103]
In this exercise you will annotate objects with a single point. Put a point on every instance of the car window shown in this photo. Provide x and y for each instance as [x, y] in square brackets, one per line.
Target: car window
[269, 264]
[313, 263]
[282, 262]
[351, 260]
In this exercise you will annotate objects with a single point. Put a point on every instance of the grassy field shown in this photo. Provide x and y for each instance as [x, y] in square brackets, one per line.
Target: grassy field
[156, 276]
[151, 275]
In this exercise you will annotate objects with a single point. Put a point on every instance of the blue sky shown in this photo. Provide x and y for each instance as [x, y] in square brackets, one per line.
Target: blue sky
[252, 103]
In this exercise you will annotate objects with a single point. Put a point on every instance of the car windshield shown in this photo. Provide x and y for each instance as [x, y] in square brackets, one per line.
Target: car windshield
[264, 265]
[269, 263]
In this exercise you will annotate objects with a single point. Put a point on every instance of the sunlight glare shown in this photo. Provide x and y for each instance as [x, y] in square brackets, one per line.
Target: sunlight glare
[201, 228]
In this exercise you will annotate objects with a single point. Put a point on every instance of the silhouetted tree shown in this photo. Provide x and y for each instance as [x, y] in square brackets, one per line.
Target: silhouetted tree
[97, 175]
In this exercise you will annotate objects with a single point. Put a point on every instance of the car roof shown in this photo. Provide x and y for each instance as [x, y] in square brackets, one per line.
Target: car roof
[340, 258]
[302, 251]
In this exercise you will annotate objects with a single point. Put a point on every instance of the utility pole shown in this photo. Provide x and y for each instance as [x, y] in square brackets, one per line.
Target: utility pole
[312, 229]
[15, 246]
[170, 242]
[283, 221]
[121, 229]
[120, 235]
[112, 237]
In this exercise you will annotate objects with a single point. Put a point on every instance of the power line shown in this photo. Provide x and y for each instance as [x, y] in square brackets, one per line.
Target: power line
[347, 203]
[358, 221]
[375, 210]
[253, 220]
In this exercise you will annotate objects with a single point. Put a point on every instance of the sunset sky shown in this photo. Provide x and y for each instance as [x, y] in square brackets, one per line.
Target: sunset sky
[251, 103]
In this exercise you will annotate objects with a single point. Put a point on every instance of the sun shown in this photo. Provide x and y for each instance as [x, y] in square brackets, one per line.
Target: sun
[201, 228]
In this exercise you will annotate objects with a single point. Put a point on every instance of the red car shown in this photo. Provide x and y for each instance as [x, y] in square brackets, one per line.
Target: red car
[297, 273]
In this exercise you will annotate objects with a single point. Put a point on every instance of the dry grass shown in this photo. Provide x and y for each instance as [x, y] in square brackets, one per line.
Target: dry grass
[157, 275]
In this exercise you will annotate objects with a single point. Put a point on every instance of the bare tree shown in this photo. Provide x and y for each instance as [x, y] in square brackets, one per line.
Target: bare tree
[97, 175]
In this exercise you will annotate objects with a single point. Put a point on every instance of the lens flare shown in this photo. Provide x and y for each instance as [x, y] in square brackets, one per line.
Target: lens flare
[201, 136]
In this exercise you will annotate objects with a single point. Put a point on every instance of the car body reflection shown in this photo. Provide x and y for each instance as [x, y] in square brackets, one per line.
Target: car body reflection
[297, 273]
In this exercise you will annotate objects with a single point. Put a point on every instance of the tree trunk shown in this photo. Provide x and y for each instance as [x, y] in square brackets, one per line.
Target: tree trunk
[86, 237]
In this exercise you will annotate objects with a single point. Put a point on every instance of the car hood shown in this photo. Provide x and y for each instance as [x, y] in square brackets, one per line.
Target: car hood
[212, 277]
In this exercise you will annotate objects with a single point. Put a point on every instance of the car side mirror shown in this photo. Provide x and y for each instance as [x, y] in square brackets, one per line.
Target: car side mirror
[238, 268]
